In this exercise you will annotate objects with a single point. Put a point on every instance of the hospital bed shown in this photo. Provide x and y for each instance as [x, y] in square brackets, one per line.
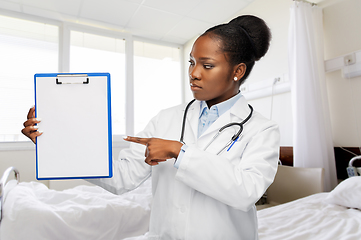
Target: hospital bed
[318, 215]
[32, 211]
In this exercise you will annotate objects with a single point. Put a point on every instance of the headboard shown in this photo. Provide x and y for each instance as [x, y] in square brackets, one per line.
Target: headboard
[342, 158]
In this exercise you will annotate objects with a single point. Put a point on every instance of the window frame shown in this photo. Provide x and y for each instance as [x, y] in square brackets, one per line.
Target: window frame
[64, 65]
[129, 91]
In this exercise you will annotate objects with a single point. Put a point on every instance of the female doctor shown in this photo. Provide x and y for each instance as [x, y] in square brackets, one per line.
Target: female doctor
[204, 187]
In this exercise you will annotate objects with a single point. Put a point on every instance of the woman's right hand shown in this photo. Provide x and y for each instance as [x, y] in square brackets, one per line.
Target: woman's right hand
[30, 129]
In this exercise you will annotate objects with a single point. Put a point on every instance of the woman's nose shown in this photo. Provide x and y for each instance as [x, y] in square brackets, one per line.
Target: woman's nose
[194, 73]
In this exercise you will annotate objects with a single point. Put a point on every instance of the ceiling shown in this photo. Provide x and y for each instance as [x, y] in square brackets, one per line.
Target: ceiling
[175, 21]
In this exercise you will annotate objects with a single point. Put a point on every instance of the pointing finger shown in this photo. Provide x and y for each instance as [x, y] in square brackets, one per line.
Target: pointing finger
[143, 141]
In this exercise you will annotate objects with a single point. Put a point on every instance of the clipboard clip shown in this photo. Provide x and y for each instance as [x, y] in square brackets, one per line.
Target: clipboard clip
[73, 80]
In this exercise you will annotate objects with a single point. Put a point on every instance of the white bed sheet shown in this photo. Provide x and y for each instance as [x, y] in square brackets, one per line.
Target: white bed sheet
[309, 218]
[32, 211]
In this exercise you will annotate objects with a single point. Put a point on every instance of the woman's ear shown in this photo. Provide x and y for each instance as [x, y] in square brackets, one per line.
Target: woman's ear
[239, 71]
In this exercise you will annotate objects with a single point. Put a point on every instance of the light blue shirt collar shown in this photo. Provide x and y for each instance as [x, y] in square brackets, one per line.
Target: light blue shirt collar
[221, 107]
[208, 116]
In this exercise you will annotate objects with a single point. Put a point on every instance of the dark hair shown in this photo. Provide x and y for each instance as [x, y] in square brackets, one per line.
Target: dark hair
[244, 39]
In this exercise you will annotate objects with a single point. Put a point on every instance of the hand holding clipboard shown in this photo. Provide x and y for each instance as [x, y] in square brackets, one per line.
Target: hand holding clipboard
[68, 149]
[30, 128]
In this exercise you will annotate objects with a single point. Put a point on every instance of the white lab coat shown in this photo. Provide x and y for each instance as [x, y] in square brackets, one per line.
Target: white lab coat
[210, 196]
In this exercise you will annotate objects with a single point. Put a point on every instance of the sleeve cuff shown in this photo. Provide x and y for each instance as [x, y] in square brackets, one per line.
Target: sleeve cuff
[180, 156]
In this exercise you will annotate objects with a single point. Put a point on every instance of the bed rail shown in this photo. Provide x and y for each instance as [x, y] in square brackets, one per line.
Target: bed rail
[3, 181]
[351, 170]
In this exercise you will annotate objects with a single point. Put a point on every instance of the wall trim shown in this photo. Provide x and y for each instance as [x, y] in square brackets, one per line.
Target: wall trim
[17, 146]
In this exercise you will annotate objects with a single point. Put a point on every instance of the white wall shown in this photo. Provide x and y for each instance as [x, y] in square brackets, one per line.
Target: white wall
[342, 35]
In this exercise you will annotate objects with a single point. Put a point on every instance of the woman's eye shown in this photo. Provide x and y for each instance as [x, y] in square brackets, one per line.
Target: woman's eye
[191, 62]
[208, 66]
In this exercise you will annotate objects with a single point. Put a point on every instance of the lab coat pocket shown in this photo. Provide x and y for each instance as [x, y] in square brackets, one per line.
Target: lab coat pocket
[235, 152]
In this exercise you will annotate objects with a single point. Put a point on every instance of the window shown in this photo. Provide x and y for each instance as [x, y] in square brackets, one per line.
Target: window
[26, 48]
[30, 47]
[94, 53]
[157, 81]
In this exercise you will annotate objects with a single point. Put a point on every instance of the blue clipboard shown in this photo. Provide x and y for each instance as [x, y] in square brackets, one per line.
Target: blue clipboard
[75, 113]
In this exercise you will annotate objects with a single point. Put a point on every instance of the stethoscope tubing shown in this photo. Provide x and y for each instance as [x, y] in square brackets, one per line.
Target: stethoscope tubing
[229, 143]
[184, 120]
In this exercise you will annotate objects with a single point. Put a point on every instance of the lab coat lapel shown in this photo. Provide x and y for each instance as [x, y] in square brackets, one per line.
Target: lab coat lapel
[191, 131]
[240, 110]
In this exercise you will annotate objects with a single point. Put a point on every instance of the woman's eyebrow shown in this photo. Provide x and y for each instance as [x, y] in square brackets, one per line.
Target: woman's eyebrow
[202, 58]
[206, 58]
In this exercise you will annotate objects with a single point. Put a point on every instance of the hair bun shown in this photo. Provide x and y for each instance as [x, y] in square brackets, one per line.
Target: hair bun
[257, 31]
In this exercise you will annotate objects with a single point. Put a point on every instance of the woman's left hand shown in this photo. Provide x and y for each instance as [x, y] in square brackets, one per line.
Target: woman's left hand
[30, 129]
[158, 150]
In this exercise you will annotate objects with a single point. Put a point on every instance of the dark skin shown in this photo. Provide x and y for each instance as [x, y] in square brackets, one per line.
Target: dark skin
[157, 149]
[30, 130]
[212, 79]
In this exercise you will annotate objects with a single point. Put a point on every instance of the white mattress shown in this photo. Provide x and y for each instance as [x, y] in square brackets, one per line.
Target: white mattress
[309, 218]
[32, 211]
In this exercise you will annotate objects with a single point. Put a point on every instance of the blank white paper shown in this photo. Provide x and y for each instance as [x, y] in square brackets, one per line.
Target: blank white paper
[75, 122]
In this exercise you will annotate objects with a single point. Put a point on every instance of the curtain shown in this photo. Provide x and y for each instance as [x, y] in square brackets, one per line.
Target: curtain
[312, 136]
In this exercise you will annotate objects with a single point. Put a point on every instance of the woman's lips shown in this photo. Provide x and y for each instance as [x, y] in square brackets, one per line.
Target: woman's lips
[195, 87]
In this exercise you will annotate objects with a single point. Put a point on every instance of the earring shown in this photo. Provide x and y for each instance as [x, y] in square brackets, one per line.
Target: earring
[235, 78]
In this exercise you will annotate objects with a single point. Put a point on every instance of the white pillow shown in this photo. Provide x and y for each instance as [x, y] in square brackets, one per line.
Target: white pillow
[347, 193]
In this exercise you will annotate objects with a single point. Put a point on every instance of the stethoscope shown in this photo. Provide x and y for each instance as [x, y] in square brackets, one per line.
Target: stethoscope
[233, 139]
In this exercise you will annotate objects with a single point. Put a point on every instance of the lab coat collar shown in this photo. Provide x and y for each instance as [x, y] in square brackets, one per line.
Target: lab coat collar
[241, 109]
